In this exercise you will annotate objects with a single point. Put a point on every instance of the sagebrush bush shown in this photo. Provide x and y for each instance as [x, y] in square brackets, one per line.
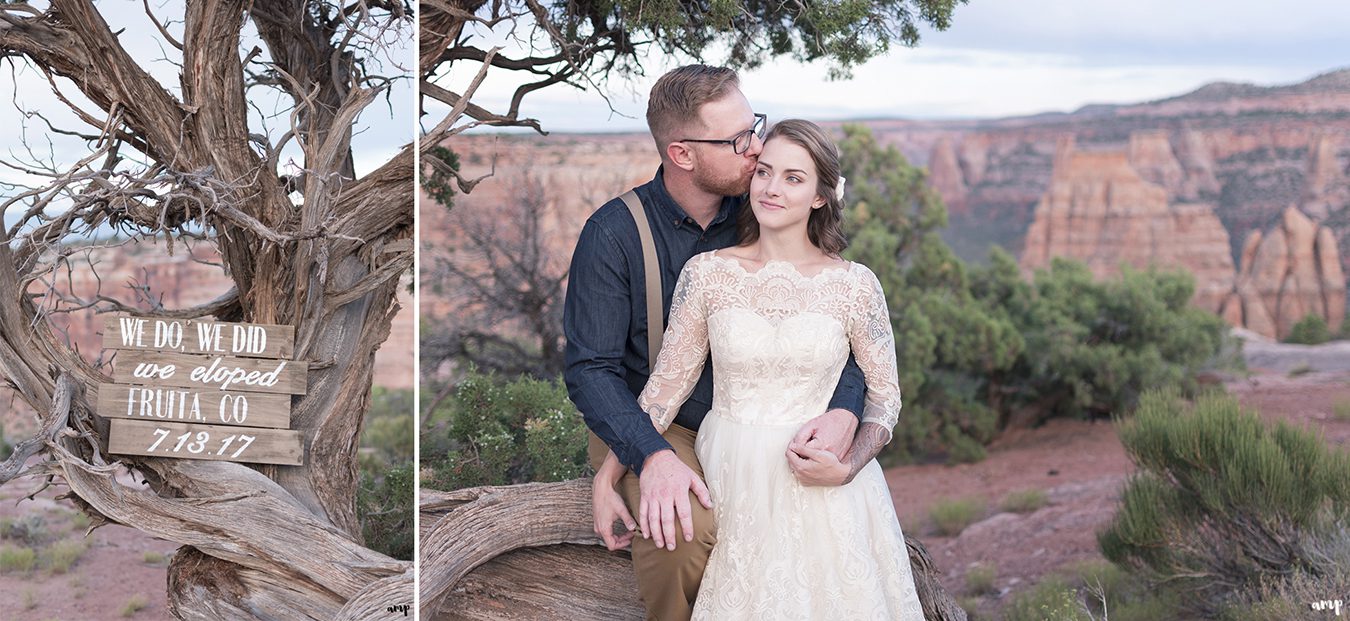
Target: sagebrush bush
[1223, 503]
[951, 516]
[1024, 501]
[494, 431]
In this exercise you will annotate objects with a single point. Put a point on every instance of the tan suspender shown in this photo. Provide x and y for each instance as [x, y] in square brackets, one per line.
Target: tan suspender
[655, 323]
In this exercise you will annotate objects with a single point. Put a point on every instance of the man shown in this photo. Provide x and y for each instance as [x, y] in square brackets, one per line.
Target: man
[708, 138]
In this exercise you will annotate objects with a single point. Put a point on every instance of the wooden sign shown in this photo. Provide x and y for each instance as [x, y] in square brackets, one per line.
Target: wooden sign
[189, 441]
[211, 372]
[191, 389]
[186, 405]
[190, 336]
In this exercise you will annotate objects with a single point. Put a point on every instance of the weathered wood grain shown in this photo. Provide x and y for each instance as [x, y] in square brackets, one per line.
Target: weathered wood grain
[495, 553]
[207, 372]
[209, 442]
[187, 405]
[195, 336]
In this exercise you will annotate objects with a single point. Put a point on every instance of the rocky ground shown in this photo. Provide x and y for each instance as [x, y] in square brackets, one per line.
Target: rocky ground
[1081, 467]
[114, 573]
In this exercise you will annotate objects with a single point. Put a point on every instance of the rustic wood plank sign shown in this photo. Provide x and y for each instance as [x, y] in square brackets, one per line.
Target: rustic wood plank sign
[190, 389]
[191, 336]
[211, 372]
[190, 441]
[186, 405]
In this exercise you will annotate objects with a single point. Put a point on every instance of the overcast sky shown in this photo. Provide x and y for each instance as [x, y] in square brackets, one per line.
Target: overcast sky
[380, 130]
[1015, 57]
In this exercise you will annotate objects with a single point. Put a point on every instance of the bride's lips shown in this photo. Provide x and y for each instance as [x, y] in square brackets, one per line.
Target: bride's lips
[769, 205]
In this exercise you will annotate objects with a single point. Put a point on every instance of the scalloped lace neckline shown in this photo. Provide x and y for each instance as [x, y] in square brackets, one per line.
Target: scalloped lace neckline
[781, 265]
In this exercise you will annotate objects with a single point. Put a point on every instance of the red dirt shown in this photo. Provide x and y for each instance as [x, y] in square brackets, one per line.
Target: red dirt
[1082, 467]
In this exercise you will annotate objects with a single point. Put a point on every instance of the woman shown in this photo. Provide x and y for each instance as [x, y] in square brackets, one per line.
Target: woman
[780, 313]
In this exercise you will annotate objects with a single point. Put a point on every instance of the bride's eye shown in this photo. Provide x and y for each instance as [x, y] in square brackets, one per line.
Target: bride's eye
[794, 179]
[760, 172]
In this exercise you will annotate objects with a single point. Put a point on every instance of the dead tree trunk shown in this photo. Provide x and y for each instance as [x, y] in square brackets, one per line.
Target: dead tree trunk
[185, 167]
[528, 552]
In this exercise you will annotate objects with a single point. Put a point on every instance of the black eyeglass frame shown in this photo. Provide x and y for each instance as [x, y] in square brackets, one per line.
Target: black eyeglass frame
[757, 129]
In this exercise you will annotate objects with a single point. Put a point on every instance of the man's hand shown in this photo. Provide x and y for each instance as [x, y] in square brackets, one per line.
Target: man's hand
[607, 507]
[666, 482]
[831, 431]
[814, 466]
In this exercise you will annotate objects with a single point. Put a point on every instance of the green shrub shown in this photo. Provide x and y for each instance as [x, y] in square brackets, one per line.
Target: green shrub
[1311, 330]
[499, 432]
[980, 580]
[135, 604]
[6, 449]
[1341, 411]
[385, 497]
[1050, 600]
[1024, 501]
[950, 517]
[59, 556]
[30, 529]
[1291, 597]
[387, 509]
[971, 605]
[152, 558]
[17, 559]
[1223, 504]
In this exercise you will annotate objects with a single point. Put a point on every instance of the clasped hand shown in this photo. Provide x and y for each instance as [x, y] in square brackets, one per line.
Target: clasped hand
[815, 453]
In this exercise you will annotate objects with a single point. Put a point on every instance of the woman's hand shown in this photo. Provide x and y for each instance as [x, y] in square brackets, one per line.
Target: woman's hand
[607, 506]
[814, 466]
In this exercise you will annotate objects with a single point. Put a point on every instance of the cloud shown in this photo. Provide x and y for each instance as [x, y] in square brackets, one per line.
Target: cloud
[1014, 57]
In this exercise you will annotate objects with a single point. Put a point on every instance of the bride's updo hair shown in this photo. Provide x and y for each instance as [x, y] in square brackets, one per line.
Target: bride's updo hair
[825, 225]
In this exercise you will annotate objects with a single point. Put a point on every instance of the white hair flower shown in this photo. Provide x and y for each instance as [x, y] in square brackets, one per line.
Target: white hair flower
[839, 189]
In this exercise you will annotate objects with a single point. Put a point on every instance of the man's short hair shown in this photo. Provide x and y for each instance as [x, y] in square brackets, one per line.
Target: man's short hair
[675, 99]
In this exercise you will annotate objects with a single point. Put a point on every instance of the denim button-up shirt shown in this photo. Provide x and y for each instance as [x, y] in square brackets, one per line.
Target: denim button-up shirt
[605, 319]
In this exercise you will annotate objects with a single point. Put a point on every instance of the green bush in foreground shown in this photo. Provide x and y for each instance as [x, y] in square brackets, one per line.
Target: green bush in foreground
[500, 432]
[1225, 506]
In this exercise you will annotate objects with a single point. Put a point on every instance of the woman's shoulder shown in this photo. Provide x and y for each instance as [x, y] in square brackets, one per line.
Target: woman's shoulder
[863, 274]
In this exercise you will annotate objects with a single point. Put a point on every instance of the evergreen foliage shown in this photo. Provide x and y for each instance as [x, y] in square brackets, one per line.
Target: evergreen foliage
[1311, 330]
[385, 497]
[1224, 505]
[495, 431]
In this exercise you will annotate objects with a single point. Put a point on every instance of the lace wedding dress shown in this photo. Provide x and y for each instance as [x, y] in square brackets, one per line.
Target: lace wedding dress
[779, 341]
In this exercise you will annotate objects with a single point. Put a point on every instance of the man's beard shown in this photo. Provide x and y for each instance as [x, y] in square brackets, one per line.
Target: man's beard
[720, 183]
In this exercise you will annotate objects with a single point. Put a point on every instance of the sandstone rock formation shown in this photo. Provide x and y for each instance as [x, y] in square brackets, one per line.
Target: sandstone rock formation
[1099, 210]
[1289, 273]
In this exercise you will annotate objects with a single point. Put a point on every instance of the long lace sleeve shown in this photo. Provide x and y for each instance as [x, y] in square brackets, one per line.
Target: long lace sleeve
[873, 345]
[684, 349]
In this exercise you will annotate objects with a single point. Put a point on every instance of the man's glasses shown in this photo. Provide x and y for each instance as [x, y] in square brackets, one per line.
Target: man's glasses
[740, 143]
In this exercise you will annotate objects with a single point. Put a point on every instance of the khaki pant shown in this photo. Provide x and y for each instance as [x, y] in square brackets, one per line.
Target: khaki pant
[667, 580]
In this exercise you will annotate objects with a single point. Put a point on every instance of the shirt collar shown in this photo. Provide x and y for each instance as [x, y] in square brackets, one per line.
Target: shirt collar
[672, 211]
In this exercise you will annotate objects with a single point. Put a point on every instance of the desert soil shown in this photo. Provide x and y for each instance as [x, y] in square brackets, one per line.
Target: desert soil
[1081, 466]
